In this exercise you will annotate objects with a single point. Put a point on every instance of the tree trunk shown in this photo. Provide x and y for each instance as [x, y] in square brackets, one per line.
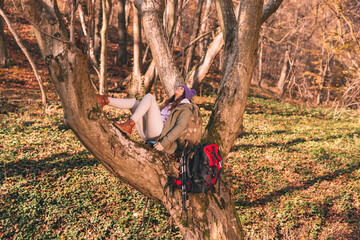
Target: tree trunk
[121, 52]
[136, 81]
[191, 50]
[106, 6]
[170, 76]
[260, 62]
[284, 70]
[149, 77]
[4, 55]
[241, 42]
[170, 17]
[204, 28]
[97, 28]
[199, 71]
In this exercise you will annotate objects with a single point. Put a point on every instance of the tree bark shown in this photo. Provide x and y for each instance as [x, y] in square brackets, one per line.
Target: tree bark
[121, 53]
[4, 54]
[260, 62]
[204, 28]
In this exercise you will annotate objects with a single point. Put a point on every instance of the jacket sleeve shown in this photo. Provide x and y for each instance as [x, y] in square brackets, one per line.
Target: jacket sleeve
[181, 123]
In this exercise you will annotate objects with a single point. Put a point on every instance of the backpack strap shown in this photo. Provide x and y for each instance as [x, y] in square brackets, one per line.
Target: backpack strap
[197, 153]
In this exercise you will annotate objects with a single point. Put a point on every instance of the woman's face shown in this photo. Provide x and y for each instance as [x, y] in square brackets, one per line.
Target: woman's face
[179, 91]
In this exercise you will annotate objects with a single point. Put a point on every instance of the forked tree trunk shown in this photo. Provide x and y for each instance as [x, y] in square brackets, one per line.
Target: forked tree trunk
[199, 71]
[209, 216]
[4, 55]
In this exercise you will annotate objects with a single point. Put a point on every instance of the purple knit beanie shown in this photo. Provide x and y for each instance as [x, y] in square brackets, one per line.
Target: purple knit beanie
[188, 93]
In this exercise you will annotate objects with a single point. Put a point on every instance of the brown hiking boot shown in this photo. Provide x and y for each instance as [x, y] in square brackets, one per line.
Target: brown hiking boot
[125, 127]
[102, 99]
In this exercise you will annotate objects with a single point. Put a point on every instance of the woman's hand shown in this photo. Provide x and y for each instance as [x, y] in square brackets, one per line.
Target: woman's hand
[158, 146]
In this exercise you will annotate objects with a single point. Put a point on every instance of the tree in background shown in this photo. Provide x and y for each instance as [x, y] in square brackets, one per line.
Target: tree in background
[121, 53]
[4, 55]
[311, 54]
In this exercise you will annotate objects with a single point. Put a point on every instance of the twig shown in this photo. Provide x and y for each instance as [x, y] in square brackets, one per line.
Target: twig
[143, 218]
[193, 42]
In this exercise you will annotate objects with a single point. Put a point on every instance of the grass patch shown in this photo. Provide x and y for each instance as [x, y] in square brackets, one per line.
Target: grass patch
[294, 174]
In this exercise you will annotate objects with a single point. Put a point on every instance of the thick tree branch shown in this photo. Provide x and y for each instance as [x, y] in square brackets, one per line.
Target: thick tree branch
[168, 71]
[270, 8]
[225, 123]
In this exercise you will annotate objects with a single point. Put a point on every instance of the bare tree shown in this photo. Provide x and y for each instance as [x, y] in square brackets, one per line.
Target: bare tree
[199, 71]
[283, 74]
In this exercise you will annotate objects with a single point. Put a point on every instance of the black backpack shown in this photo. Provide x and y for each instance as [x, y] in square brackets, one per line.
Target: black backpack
[203, 168]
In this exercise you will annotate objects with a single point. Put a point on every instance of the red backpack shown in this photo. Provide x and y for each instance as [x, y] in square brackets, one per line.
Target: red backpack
[205, 168]
[200, 169]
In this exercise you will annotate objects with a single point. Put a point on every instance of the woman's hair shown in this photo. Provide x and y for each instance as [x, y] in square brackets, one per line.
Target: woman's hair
[172, 100]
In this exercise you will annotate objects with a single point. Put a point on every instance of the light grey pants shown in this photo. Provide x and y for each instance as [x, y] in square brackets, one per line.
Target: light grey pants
[145, 114]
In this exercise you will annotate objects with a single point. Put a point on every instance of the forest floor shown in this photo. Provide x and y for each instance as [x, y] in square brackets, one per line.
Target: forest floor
[295, 172]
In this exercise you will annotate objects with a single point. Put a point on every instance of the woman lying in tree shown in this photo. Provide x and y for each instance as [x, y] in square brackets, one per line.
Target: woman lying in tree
[163, 125]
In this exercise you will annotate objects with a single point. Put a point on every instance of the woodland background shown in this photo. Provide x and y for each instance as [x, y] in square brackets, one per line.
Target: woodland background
[294, 171]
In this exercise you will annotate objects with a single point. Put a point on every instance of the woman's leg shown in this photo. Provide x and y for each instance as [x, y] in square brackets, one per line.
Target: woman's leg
[124, 103]
[148, 118]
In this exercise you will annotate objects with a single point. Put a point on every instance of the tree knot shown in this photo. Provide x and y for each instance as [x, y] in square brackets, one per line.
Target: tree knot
[48, 59]
[94, 114]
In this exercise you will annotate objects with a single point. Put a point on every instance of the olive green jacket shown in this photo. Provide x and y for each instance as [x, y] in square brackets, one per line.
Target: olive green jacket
[175, 125]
